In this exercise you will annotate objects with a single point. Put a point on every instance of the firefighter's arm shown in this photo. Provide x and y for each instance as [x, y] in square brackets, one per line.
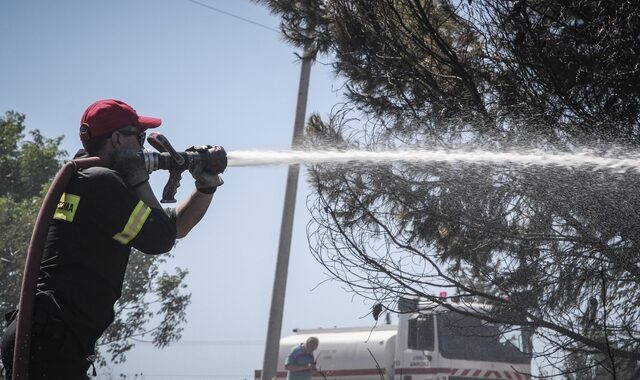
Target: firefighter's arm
[188, 213]
[191, 211]
[300, 368]
[207, 180]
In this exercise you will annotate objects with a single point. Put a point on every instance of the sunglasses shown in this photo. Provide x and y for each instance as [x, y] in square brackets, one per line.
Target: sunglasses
[140, 135]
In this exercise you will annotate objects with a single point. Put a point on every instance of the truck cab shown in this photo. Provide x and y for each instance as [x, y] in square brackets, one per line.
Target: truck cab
[435, 343]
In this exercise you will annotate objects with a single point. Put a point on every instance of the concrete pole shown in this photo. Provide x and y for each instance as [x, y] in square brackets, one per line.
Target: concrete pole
[269, 366]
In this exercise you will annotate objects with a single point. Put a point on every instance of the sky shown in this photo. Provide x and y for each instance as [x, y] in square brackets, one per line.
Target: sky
[212, 79]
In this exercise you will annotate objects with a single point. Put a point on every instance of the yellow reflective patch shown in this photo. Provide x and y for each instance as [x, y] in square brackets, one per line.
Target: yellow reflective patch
[134, 224]
[67, 206]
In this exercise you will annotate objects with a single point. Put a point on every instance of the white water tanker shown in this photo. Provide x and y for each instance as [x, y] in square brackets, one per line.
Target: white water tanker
[429, 343]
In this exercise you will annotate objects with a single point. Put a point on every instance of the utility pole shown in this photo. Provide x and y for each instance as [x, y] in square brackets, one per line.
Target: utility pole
[269, 366]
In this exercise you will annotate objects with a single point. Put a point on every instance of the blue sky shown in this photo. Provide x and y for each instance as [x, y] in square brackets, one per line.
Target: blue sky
[212, 79]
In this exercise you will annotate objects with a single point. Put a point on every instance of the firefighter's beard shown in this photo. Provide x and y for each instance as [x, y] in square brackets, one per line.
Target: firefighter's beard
[126, 160]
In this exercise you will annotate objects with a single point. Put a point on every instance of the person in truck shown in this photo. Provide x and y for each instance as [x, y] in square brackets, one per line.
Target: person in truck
[300, 362]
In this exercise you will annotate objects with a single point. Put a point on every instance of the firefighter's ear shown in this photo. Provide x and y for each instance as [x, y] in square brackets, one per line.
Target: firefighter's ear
[115, 139]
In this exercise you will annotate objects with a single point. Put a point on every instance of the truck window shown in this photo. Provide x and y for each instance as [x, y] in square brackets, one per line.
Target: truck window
[421, 333]
[468, 338]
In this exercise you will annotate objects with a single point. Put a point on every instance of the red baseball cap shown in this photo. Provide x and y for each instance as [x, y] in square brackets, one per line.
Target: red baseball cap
[108, 115]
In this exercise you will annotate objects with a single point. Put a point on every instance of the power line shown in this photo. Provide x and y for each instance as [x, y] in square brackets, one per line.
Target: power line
[234, 16]
[143, 375]
[208, 342]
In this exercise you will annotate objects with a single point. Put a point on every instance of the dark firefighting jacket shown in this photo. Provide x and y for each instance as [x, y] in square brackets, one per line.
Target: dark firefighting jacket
[97, 221]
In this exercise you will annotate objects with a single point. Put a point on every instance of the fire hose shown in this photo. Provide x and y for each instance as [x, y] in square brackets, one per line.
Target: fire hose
[165, 159]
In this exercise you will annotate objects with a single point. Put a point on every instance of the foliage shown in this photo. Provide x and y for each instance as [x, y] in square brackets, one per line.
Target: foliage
[25, 167]
[152, 303]
[552, 249]
[147, 296]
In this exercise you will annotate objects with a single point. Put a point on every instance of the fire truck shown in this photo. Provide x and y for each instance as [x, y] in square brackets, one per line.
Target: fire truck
[430, 342]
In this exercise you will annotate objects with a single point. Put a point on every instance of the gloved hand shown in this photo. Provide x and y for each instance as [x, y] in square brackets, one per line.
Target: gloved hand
[206, 174]
[130, 165]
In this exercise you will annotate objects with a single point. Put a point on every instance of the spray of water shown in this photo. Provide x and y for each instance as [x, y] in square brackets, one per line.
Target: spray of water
[530, 158]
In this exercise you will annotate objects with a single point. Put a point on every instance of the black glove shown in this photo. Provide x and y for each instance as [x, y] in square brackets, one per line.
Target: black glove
[130, 165]
[207, 173]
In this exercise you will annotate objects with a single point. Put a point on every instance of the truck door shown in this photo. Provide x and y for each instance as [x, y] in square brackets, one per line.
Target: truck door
[417, 356]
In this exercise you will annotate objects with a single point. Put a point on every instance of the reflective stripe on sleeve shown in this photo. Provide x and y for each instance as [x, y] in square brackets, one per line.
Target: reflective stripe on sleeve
[134, 224]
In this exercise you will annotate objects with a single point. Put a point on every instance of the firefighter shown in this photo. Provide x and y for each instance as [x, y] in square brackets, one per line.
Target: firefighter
[103, 213]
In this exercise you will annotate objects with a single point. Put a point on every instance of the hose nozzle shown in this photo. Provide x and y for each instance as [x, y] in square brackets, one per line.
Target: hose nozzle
[177, 162]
